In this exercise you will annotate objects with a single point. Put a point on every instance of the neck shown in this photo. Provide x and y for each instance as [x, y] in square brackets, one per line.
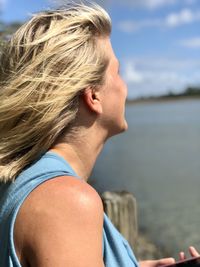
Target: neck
[80, 153]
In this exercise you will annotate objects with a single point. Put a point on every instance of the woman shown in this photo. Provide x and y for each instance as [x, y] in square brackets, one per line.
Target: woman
[61, 98]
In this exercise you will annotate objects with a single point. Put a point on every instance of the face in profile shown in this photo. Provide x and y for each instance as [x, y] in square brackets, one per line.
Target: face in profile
[114, 93]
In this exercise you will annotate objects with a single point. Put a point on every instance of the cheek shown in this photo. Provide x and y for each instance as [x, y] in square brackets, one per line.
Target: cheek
[123, 88]
[117, 89]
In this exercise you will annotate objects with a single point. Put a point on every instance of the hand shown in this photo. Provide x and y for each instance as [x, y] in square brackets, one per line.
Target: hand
[156, 263]
[193, 253]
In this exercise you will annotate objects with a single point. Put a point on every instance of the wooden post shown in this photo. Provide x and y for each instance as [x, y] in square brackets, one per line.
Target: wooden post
[121, 208]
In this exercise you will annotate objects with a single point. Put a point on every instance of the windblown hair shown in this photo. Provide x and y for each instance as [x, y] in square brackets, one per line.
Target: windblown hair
[44, 68]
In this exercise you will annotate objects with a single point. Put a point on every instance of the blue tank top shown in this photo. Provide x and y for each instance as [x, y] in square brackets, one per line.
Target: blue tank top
[116, 250]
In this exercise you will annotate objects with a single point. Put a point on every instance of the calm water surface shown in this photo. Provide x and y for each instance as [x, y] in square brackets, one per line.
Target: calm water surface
[158, 160]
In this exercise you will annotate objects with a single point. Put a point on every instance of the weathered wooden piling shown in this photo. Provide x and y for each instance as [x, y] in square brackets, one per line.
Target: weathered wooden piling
[121, 208]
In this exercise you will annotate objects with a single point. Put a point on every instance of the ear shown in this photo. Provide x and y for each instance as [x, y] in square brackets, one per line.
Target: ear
[92, 99]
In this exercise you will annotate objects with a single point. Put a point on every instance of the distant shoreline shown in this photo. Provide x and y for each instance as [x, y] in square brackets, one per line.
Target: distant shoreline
[161, 99]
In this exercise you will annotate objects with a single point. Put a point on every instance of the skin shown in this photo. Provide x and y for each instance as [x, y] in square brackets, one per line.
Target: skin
[66, 222]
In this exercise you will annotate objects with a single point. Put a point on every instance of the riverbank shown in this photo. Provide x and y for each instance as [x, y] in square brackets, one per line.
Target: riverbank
[160, 99]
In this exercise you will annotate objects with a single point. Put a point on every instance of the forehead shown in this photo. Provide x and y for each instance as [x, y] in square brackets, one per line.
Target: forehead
[106, 45]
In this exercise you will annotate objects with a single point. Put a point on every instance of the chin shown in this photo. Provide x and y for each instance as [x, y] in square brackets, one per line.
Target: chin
[124, 128]
[120, 129]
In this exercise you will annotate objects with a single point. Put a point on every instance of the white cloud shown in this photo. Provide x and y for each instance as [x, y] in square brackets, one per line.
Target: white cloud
[131, 74]
[191, 43]
[185, 16]
[159, 76]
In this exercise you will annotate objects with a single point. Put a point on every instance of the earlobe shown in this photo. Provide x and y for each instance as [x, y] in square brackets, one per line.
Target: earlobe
[92, 100]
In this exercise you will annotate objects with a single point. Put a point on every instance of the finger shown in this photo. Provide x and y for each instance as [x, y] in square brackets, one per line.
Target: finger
[193, 252]
[182, 256]
[166, 261]
[157, 263]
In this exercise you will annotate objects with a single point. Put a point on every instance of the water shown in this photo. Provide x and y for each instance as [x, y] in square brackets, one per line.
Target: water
[158, 160]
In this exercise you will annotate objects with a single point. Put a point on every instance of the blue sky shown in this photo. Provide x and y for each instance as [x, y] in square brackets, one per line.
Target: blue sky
[156, 41]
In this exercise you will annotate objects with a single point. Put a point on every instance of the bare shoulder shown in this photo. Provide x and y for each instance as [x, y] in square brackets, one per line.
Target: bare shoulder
[63, 215]
[68, 190]
[65, 193]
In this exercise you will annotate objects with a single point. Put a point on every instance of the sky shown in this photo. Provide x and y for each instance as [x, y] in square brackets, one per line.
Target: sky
[156, 41]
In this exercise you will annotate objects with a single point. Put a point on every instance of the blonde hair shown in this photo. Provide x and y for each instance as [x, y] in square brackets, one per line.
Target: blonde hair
[45, 66]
